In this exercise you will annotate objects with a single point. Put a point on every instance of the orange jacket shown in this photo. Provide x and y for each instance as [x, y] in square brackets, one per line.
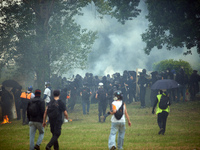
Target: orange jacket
[26, 95]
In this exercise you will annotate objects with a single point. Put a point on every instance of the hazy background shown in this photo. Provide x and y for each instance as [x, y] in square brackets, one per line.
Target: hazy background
[120, 47]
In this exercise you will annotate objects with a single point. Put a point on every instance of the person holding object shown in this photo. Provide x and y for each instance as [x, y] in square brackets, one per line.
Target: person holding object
[162, 102]
[118, 120]
[54, 111]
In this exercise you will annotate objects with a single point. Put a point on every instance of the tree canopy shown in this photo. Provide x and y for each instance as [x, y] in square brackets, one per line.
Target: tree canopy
[42, 37]
[173, 65]
[174, 23]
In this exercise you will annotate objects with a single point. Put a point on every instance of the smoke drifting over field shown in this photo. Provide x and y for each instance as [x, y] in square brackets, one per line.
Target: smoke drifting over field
[120, 47]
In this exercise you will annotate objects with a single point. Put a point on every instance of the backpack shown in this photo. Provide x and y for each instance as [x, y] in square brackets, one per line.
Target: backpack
[164, 102]
[53, 109]
[33, 109]
[119, 113]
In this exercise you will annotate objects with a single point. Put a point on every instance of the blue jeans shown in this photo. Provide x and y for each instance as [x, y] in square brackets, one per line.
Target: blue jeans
[84, 104]
[120, 128]
[33, 127]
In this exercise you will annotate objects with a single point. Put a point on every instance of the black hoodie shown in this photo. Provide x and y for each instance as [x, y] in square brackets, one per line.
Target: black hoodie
[41, 105]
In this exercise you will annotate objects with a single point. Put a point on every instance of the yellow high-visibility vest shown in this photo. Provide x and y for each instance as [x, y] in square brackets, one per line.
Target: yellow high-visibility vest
[158, 109]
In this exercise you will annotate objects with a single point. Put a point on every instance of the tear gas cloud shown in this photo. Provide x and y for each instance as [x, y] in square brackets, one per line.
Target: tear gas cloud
[120, 47]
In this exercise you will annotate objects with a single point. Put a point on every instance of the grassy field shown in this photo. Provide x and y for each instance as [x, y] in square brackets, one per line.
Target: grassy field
[86, 133]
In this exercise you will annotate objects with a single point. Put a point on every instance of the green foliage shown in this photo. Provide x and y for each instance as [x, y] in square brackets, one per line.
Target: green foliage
[172, 64]
[43, 38]
[124, 10]
[174, 24]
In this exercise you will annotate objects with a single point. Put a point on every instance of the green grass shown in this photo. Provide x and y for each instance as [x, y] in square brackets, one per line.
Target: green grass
[86, 133]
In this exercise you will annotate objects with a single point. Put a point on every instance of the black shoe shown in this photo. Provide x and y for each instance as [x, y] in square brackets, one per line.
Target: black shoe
[161, 131]
[113, 148]
[48, 148]
[37, 147]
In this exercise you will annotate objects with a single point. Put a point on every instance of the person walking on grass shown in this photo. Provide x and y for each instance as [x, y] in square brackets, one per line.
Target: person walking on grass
[25, 98]
[162, 102]
[101, 96]
[118, 123]
[54, 111]
[35, 112]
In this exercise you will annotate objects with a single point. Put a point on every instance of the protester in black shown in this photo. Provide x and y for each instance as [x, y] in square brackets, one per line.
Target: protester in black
[6, 103]
[102, 100]
[55, 122]
[143, 81]
[73, 95]
[35, 112]
[154, 93]
[131, 88]
[17, 92]
[182, 80]
[194, 84]
[64, 97]
[85, 94]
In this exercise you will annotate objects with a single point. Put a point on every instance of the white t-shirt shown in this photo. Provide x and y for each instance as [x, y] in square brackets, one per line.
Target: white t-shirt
[47, 92]
[117, 104]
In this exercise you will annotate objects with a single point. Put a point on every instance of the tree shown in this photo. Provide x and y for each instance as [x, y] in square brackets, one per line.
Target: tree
[42, 37]
[173, 65]
[174, 23]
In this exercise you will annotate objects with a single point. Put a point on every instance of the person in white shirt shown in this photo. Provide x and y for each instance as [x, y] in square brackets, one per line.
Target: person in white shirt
[47, 93]
[118, 125]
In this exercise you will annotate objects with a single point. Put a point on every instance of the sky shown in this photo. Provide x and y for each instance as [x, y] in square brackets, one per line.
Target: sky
[120, 47]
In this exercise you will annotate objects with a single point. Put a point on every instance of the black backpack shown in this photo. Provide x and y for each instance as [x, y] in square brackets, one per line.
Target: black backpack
[119, 113]
[164, 102]
[33, 108]
[53, 109]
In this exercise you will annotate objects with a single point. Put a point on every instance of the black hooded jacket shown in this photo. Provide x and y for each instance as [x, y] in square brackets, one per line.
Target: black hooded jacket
[41, 105]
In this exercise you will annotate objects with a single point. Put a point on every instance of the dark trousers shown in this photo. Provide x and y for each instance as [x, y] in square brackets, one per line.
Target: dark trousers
[56, 132]
[24, 110]
[162, 120]
[131, 95]
[72, 102]
[142, 96]
[18, 110]
[102, 109]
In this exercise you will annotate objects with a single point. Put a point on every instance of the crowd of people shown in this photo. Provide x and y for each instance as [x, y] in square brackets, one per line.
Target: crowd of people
[94, 89]
[85, 88]
[132, 90]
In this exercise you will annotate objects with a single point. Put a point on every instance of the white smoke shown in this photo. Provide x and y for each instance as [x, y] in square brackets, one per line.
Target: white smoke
[120, 47]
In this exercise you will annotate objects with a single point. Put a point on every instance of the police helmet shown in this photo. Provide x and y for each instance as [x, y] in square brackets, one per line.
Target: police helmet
[100, 84]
